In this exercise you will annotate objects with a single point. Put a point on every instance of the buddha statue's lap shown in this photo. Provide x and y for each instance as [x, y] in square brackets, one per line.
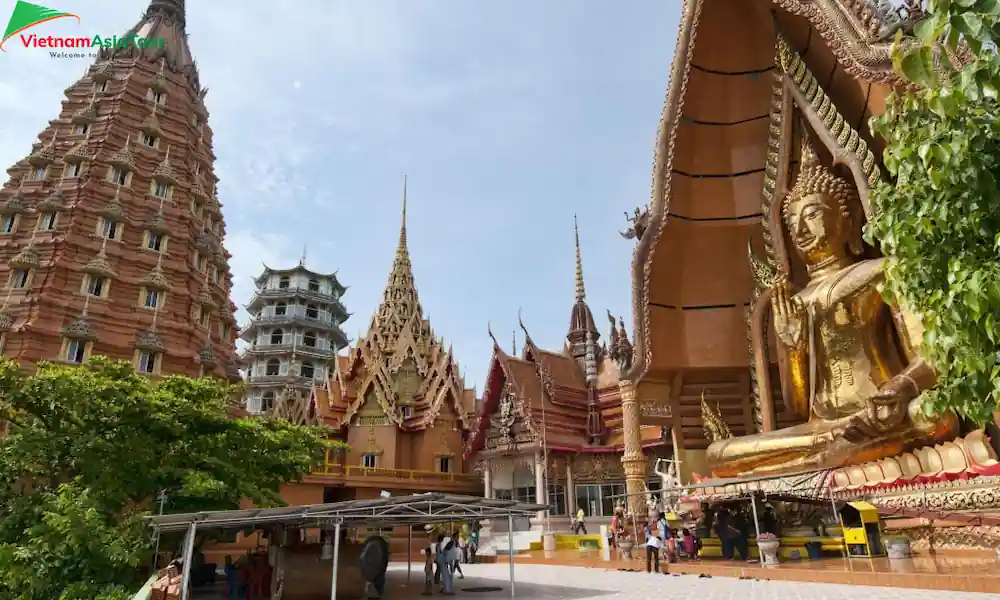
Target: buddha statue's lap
[848, 372]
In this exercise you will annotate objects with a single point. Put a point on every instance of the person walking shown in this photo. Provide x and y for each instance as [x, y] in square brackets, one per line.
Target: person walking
[428, 572]
[653, 545]
[441, 558]
[580, 525]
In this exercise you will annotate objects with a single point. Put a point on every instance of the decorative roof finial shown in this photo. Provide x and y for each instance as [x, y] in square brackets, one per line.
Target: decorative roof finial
[302, 261]
[489, 330]
[402, 226]
[513, 342]
[581, 293]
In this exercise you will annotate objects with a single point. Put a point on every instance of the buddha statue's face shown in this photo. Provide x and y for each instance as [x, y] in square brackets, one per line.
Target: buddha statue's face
[816, 225]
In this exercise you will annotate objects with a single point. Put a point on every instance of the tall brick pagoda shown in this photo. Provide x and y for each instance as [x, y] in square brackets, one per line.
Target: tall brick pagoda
[110, 229]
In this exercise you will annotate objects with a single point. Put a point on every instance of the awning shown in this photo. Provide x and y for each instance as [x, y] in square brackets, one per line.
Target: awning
[418, 509]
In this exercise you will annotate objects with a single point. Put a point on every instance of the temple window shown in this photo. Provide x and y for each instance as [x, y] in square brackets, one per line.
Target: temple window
[106, 228]
[160, 189]
[273, 367]
[73, 169]
[277, 336]
[47, 221]
[156, 242]
[503, 494]
[224, 331]
[557, 499]
[19, 278]
[157, 97]
[120, 176]
[81, 129]
[9, 224]
[525, 494]
[267, 401]
[101, 86]
[312, 311]
[151, 298]
[313, 285]
[280, 309]
[147, 362]
[96, 286]
[203, 315]
[284, 283]
[369, 461]
[444, 464]
[75, 351]
[196, 208]
[216, 275]
[309, 339]
[150, 140]
[307, 370]
[38, 173]
[405, 411]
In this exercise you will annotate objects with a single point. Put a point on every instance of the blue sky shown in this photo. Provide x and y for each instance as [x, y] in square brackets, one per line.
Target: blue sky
[508, 117]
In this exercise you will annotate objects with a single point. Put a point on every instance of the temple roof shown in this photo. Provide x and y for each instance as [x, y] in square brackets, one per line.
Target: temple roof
[400, 361]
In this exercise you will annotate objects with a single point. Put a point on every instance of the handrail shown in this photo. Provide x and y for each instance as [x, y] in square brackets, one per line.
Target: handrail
[335, 469]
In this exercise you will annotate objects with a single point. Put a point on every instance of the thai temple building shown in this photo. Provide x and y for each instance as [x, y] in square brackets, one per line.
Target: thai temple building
[761, 339]
[398, 398]
[293, 334]
[111, 228]
[550, 425]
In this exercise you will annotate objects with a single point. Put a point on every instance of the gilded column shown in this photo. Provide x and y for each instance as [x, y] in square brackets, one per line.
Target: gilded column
[633, 460]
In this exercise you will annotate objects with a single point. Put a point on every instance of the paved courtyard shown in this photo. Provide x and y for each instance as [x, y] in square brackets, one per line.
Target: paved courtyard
[552, 582]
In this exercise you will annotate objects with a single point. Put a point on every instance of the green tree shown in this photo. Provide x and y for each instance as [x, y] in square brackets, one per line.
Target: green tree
[939, 219]
[91, 447]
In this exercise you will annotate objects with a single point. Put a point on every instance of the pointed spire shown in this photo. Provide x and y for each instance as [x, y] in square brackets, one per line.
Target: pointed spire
[114, 210]
[155, 279]
[45, 154]
[402, 225]
[124, 157]
[513, 342]
[581, 293]
[150, 340]
[15, 204]
[29, 258]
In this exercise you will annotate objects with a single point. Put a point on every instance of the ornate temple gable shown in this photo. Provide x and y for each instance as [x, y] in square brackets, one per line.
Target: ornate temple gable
[505, 419]
[400, 364]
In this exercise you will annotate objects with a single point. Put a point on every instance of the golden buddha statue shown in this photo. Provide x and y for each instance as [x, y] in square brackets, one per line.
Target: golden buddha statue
[853, 368]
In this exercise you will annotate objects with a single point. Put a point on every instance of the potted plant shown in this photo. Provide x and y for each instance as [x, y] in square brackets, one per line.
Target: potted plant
[768, 544]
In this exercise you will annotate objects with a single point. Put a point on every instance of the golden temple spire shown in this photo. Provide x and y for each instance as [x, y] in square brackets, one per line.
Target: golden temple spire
[402, 226]
[581, 293]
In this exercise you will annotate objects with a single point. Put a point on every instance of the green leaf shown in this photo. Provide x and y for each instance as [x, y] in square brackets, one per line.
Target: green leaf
[968, 24]
[918, 66]
[988, 7]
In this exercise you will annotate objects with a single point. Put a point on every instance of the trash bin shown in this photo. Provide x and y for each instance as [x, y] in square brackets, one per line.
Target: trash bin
[814, 550]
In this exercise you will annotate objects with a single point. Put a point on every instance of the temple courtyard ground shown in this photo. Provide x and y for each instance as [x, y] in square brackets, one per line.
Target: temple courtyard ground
[557, 582]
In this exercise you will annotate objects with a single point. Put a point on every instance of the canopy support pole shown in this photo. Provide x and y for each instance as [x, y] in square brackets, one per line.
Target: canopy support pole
[510, 549]
[187, 556]
[753, 507]
[336, 561]
[409, 552]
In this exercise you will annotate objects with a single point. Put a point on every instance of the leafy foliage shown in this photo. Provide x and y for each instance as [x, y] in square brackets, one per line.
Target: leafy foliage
[940, 218]
[89, 450]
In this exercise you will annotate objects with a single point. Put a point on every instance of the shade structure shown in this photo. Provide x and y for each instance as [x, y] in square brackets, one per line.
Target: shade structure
[417, 509]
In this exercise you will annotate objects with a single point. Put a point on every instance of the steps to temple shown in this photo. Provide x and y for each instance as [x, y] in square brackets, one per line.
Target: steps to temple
[568, 541]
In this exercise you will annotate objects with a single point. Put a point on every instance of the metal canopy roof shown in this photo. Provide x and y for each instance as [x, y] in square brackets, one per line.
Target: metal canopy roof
[417, 509]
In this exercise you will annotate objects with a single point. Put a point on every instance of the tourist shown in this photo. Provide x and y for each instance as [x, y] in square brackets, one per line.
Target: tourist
[429, 578]
[579, 525]
[688, 544]
[455, 556]
[653, 545]
[727, 534]
[473, 545]
[742, 543]
[441, 557]
[233, 591]
[617, 527]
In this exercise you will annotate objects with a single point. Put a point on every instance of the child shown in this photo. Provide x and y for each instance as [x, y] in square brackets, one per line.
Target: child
[428, 572]
[688, 544]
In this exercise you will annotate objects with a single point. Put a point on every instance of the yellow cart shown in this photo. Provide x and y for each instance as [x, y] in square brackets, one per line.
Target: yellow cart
[862, 530]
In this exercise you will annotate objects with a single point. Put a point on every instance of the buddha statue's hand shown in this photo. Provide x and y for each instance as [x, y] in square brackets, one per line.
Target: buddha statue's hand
[789, 315]
[884, 411]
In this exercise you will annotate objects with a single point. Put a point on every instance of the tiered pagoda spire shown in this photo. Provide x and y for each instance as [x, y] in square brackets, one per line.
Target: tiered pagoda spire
[583, 334]
[112, 182]
[406, 373]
